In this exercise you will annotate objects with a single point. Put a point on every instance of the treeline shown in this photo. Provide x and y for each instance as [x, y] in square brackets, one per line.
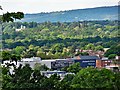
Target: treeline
[78, 43]
[76, 34]
[24, 78]
[58, 40]
[56, 51]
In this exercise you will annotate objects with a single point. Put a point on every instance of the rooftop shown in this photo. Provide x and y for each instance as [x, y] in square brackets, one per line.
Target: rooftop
[89, 57]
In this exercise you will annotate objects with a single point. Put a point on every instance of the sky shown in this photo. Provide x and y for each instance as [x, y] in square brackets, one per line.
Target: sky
[37, 6]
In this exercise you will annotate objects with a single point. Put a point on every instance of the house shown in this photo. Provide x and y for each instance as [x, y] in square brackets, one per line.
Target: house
[117, 57]
[109, 63]
[21, 28]
[103, 62]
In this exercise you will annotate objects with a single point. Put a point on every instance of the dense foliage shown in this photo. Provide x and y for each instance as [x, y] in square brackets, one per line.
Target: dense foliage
[76, 34]
[7, 17]
[26, 78]
[114, 50]
[59, 40]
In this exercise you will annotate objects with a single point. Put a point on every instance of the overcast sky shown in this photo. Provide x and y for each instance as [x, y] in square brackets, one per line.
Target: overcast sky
[37, 6]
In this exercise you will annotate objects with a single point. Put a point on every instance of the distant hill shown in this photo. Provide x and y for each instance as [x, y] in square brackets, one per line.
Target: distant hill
[99, 13]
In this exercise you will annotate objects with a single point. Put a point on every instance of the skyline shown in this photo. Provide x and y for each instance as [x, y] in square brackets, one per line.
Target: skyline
[38, 6]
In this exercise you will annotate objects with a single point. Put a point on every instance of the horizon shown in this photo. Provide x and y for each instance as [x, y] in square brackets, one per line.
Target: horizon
[38, 6]
[72, 9]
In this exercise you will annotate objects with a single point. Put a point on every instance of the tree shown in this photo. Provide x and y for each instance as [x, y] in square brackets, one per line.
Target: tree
[1, 7]
[20, 79]
[112, 56]
[94, 78]
[99, 48]
[57, 47]
[90, 46]
[6, 55]
[74, 68]
[113, 50]
[12, 16]
[18, 50]
[40, 67]
[82, 53]
[66, 82]
[0, 77]
[40, 54]
[117, 81]
[29, 53]
[15, 58]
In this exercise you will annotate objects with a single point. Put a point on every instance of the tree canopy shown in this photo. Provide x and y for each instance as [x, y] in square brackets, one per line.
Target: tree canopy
[87, 78]
[7, 17]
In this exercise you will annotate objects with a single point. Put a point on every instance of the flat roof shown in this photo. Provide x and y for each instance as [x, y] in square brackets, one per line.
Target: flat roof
[49, 60]
[89, 57]
[52, 72]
